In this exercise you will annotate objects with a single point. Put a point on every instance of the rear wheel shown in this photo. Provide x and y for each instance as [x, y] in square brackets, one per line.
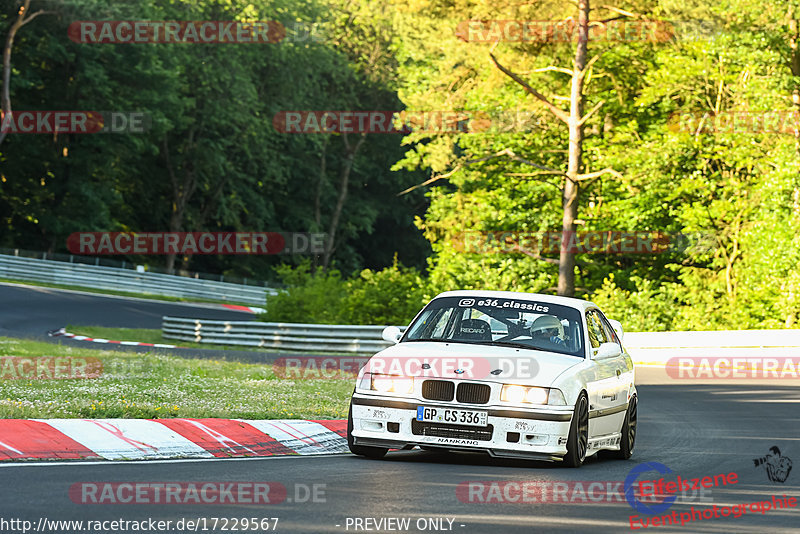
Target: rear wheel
[578, 440]
[628, 440]
[361, 450]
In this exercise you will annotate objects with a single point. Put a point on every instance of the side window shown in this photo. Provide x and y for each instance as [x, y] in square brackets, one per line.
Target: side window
[611, 334]
[597, 335]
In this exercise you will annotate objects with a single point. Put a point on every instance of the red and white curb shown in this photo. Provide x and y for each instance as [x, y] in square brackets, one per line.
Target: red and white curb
[250, 309]
[145, 439]
[61, 332]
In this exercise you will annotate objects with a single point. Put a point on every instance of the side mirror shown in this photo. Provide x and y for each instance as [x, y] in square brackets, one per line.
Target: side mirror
[617, 326]
[392, 334]
[607, 350]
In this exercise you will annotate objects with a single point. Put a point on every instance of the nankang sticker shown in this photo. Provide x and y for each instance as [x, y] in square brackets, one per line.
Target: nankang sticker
[454, 441]
[505, 303]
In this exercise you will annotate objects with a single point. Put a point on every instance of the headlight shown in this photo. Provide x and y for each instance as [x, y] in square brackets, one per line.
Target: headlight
[389, 383]
[532, 395]
[536, 396]
[382, 383]
[513, 393]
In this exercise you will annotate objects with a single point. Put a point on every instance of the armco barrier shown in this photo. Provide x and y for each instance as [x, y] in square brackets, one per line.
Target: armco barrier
[114, 278]
[658, 347]
[358, 339]
[644, 347]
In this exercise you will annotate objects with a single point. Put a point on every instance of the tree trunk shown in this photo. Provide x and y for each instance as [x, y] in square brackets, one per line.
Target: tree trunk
[323, 170]
[23, 17]
[182, 191]
[344, 179]
[794, 66]
[566, 264]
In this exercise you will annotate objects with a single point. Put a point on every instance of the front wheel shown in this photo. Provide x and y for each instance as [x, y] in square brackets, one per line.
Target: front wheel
[578, 440]
[628, 440]
[361, 450]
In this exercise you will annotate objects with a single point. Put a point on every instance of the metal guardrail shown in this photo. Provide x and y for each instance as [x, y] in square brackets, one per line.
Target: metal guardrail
[118, 279]
[643, 347]
[659, 347]
[359, 339]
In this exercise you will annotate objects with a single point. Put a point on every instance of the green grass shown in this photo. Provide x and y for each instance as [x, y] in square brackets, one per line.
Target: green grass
[121, 293]
[159, 386]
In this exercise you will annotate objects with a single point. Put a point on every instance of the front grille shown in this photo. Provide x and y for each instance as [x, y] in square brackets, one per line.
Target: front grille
[440, 390]
[473, 393]
[439, 430]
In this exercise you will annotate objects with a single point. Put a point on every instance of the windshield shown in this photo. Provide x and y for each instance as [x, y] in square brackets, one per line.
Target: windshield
[489, 321]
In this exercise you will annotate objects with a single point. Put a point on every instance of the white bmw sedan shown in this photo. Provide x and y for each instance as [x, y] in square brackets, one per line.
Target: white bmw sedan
[518, 375]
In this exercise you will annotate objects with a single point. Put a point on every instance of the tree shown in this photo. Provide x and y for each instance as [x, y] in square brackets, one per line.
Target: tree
[468, 84]
[575, 121]
[24, 16]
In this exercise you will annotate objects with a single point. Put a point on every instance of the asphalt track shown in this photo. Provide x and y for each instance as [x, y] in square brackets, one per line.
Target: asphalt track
[31, 312]
[696, 429]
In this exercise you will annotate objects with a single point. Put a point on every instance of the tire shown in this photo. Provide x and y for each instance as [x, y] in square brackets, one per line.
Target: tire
[628, 441]
[361, 450]
[578, 440]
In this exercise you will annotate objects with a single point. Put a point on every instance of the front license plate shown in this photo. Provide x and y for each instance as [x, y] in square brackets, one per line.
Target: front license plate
[451, 416]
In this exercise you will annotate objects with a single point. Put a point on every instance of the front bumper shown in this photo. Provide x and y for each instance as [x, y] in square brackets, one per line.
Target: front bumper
[390, 422]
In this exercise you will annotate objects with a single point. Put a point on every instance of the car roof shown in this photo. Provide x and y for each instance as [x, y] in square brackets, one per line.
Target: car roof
[580, 304]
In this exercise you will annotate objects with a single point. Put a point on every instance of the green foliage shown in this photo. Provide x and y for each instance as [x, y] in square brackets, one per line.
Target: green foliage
[310, 297]
[213, 161]
[646, 308]
[391, 296]
[739, 189]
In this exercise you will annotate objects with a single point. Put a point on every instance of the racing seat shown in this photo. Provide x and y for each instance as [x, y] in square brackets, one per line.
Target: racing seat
[474, 330]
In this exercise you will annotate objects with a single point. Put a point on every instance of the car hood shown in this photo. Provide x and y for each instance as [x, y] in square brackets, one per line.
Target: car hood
[476, 362]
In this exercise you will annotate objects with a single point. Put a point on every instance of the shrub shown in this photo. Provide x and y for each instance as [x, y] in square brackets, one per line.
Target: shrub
[391, 296]
[650, 308]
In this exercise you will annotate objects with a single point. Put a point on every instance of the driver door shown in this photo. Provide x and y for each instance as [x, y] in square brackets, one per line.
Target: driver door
[607, 396]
